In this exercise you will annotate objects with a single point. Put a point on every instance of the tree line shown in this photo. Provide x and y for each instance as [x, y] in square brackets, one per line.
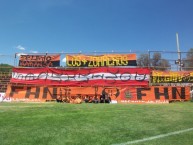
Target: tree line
[5, 68]
[156, 62]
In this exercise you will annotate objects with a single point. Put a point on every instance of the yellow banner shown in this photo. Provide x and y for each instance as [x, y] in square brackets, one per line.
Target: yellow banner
[172, 76]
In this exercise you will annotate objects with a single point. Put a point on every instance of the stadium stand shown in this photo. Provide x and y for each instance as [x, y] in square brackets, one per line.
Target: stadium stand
[4, 80]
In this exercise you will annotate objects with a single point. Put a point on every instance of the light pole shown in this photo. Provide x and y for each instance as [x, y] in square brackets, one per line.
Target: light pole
[179, 61]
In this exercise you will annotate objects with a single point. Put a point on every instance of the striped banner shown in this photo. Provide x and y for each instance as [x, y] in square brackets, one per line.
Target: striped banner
[104, 76]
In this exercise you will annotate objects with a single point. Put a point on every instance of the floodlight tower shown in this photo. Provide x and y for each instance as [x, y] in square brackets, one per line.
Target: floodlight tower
[179, 53]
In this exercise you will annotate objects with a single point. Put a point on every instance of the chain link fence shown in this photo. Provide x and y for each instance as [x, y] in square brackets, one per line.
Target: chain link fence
[176, 60]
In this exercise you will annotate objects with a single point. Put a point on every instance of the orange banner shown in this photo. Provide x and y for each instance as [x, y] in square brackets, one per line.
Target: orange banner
[39, 60]
[120, 94]
[101, 60]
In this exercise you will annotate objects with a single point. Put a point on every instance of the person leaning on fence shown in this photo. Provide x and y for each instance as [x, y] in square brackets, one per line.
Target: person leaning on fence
[191, 95]
[95, 100]
[107, 98]
[59, 99]
[102, 98]
[77, 100]
[86, 100]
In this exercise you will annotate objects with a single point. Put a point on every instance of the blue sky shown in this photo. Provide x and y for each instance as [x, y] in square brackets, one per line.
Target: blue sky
[54, 26]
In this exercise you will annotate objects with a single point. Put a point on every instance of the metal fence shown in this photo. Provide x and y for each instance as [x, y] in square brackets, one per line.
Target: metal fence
[175, 59]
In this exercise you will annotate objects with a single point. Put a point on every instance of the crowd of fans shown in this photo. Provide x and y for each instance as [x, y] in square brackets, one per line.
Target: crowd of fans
[104, 98]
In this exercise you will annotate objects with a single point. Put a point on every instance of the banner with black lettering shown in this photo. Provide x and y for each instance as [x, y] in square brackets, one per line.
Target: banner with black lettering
[104, 76]
[172, 76]
[39, 60]
[121, 94]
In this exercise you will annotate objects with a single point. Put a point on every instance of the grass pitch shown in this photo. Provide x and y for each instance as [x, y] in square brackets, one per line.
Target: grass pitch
[94, 124]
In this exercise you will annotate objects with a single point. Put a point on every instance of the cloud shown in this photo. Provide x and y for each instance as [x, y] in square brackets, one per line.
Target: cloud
[20, 47]
[19, 54]
[33, 51]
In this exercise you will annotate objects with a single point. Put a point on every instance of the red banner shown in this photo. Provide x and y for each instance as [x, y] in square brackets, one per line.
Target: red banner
[104, 76]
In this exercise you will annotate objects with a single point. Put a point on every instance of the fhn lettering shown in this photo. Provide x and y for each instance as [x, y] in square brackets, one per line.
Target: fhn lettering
[168, 93]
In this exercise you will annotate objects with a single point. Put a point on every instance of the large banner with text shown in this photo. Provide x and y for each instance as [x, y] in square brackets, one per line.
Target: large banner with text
[159, 94]
[172, 76]
[39, 60]
[101, 60]
[104, 76]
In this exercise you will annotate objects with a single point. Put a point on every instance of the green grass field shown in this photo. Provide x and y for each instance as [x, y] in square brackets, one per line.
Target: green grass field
[95, 124]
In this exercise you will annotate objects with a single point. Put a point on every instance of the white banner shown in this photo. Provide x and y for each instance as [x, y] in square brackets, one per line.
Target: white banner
[3, 98]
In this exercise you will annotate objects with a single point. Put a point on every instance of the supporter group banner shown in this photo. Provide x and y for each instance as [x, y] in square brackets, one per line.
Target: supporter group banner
[39, 60]
[104, 76]
[122, 94]
[101, 60]
[172, 76]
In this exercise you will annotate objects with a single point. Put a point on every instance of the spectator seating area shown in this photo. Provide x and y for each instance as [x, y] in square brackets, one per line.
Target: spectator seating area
[4, 81]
